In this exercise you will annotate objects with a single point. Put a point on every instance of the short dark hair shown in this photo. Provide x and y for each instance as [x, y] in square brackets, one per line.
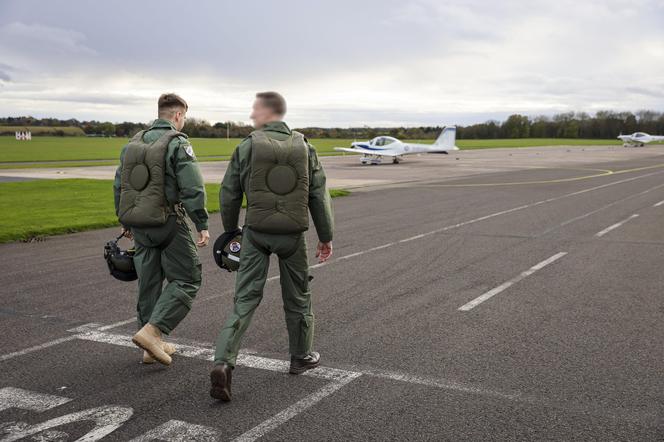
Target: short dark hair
[171, 102]
[273, 101]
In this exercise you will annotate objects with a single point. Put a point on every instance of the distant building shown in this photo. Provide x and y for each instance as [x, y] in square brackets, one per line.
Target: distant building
[24, 135]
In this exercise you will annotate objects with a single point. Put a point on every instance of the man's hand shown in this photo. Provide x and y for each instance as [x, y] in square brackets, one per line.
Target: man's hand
[323, 251]
[203, 238]
[127, 233]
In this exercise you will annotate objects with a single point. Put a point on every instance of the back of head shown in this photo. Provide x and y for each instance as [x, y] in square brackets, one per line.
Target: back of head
[168, 104]
[274, 101]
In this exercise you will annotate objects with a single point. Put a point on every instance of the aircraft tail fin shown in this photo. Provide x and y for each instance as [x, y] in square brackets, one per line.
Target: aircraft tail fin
[447, 138]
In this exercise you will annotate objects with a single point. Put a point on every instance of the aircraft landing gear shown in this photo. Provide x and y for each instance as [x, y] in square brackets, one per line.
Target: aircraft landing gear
[395, 160]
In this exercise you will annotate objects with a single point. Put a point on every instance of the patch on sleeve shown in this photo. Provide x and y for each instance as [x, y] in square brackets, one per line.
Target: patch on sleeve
[190, 150]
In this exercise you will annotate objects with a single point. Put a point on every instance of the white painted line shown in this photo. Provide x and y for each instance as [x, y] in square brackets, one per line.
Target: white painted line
[493, 292]
[48, 344]
[338, 377]
[615, 226]
[119, 324]
[303, 404]
[106, 419]
[440, 383]
[492, 215]
[658, 204]
[592, 212]
[180, 431]
[27, 400]
[205, 352]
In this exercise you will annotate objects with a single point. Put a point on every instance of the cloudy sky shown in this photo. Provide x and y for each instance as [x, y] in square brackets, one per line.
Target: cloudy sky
[339, 63]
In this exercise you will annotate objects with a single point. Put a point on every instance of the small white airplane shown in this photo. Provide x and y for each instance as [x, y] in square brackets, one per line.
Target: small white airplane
[639, 139]
[374, 150]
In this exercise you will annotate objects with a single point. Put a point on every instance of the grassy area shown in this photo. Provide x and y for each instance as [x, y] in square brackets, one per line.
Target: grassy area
[39, 208]
[78, 150]
[532, 142]
[85, 149]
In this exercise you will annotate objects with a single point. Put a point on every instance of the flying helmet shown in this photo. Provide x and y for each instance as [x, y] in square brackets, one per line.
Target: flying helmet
[226, 250]
[120, 262]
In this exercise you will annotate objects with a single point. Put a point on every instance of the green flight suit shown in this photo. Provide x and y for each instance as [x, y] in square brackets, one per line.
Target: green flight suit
[156, 258]
[257, 247]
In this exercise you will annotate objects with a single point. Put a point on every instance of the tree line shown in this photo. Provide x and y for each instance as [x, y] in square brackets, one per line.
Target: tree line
[603, 124]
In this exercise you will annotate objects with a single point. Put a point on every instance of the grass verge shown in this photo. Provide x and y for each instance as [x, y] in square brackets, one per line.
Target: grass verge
[34, 209]
[78, 150]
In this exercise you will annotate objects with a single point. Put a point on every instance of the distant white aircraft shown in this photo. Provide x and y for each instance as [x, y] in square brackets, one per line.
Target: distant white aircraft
[639, 139]
[374, 150]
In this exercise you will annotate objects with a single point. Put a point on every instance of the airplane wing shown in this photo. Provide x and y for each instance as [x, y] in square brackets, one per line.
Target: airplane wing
[383, 152]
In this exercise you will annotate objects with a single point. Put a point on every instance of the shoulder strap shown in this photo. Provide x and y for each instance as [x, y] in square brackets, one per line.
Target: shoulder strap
[138, 136]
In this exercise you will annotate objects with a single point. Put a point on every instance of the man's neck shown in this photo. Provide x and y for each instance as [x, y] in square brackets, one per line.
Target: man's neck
[276, 120]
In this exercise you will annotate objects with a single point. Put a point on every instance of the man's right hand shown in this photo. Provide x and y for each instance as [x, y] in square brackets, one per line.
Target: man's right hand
[127, 233]
[324, 251]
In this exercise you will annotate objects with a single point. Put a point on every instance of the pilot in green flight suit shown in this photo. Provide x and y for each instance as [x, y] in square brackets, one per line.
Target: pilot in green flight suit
[156, 186]
[283, 180]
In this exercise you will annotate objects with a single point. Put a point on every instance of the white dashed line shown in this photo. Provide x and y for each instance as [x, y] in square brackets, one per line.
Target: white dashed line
[493, 292]
[658, 204]
[489, 216]
[25, 351]
[614, 226]
[592, 212]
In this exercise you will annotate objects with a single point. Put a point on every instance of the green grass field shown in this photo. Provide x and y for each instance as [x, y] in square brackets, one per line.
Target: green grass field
[40, 208]
[79, 150]
[533, 142]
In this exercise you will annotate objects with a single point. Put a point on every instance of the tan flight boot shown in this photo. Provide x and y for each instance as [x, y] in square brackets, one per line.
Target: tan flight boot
[149, 339]
[168, 348]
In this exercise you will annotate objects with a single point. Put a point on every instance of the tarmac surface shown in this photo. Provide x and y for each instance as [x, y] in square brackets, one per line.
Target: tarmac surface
[507, 295]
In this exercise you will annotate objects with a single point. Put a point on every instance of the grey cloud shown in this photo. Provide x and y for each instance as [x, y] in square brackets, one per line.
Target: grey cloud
[376, 60]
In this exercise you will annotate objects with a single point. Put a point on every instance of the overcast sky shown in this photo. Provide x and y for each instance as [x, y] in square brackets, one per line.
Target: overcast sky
[338, 63]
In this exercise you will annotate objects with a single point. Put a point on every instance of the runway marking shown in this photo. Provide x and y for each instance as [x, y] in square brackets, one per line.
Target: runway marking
[180, 431]
[338, 378]
[278, 419]
[615, 226]
[118, 324]
[605, 172]
[28, 350]
[204, 351]
[27, 400]
[658, 204]
[106, 419]
[489, 216]
[592, 212]
[440, 383]
[502, 287]
[177, 430]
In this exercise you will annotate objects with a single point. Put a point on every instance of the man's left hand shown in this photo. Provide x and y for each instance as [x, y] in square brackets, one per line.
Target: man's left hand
[203, 238]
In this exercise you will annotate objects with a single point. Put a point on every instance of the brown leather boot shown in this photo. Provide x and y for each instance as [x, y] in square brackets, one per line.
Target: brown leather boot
[168, 348]
[220, 378]
[149, 339]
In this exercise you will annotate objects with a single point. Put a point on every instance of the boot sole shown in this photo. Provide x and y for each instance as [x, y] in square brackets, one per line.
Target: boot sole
[301, 370]
[218, 389]
[158, 358]
[152, 360]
